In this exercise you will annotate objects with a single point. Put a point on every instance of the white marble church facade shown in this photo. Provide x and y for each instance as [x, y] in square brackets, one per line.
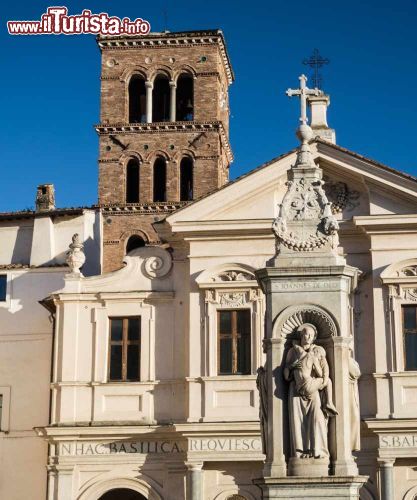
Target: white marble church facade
[192, 314]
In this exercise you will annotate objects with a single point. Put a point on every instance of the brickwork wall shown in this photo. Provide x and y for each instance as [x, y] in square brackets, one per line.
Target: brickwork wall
[117, 146]
[117, 229]
[146, 146]
[208, 80]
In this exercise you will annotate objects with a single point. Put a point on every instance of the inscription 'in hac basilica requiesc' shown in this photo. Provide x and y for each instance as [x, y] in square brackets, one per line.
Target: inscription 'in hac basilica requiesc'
[244, 444]
[145, 447]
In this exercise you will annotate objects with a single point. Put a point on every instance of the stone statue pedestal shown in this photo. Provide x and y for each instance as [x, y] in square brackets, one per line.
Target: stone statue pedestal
[303, 488]
[311, 467]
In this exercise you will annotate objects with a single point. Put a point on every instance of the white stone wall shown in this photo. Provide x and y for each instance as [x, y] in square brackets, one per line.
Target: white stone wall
[16, 241]
[26, 340]
[43, 240]
[25, 370]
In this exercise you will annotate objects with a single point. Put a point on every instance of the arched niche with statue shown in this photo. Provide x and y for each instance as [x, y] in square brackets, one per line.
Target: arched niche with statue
[314, 380]
[307, 374]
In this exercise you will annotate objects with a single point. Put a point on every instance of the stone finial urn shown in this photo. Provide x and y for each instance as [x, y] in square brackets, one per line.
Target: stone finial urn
[75, 256]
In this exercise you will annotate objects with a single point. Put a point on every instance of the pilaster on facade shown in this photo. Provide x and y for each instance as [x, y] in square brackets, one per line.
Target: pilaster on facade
[386, 478]
[195, 489]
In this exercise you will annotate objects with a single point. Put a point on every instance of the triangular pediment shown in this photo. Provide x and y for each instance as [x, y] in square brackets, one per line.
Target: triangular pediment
[355, 184]
[389, 191]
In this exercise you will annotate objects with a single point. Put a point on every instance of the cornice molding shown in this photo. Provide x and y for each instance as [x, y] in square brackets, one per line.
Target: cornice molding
[200, 429]
[140, 209]
[158, 127]
[386, 223]
[391, 425]
[167, 40]
[197, 74]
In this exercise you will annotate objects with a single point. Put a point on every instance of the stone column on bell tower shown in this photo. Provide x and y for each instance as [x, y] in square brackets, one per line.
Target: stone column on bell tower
[173, 96]
[149, 88]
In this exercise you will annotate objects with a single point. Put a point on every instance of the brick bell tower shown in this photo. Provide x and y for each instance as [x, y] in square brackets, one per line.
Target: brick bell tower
[163, 132]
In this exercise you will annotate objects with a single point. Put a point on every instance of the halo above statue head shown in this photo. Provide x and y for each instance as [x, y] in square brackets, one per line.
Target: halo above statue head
[307, 325]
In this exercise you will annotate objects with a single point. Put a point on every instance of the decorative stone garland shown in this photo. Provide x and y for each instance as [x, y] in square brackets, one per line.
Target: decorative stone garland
[313, 242]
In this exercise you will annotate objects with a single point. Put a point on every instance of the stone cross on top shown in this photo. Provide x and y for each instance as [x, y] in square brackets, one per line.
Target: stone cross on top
[304, 132]
[303, 92]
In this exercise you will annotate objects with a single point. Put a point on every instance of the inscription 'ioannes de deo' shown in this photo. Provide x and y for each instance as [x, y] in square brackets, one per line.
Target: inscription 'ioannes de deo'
[304, 285]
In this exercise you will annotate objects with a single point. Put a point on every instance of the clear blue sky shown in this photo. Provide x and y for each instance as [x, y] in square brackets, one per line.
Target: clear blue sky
[50, 85]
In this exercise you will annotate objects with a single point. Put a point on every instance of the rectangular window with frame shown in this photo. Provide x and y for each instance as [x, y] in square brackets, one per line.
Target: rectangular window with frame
[409, 314]
[234, 341]
[3, 287]
[125, 349]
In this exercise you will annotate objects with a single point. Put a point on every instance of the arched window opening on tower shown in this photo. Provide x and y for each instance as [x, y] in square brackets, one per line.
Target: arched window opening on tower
[137, 100]
[159, 179]
[161, 99]
[185, 98]
[133, 242]
[186, 179]
[132, 181]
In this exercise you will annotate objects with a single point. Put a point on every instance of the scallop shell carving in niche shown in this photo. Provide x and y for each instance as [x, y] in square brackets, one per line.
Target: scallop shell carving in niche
[309, 314]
